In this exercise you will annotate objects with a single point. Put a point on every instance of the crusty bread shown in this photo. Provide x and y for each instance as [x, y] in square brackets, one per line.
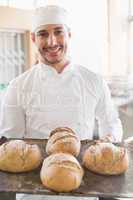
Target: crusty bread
[106, 158]
[61, 172]
[63, 139]
[18, 156]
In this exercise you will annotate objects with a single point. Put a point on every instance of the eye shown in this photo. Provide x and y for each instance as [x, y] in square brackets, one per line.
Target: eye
[43, 34]
[59, 32]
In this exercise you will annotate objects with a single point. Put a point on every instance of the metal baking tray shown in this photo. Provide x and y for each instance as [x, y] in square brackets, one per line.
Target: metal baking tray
[92, 184]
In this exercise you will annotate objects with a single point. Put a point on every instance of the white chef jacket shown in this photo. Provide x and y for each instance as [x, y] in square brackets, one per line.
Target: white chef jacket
[41, 100]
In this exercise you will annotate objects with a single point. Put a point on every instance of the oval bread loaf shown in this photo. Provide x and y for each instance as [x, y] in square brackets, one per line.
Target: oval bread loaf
[61, 172]
[18, 156]
[63, 140]
[106, 158]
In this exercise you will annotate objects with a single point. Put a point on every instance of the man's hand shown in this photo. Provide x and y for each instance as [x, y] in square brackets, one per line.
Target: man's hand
[107, 138]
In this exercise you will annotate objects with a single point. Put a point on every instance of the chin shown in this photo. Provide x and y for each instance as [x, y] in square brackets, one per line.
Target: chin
[56, 61]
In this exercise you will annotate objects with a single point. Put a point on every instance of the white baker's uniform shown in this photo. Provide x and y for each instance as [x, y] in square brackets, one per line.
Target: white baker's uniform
[41, 100]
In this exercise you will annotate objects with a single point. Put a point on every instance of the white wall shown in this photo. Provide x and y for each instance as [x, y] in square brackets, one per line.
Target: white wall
[15, 18]
[118, 38]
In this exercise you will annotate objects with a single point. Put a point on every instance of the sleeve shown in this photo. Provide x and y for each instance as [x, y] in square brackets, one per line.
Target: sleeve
[12, 117]
[107, 115]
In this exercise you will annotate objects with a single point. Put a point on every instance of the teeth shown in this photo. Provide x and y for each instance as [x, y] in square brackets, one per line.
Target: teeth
[53, 50]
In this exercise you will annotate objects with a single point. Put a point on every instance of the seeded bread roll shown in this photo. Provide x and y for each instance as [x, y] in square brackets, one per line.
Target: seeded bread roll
[63, 140]
[18, 156]
[61, 172]
[106, 158]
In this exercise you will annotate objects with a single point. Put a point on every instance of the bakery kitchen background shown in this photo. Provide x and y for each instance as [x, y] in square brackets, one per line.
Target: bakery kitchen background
[109, 45]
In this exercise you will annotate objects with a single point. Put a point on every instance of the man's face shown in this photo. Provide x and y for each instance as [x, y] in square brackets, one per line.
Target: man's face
[52, 43]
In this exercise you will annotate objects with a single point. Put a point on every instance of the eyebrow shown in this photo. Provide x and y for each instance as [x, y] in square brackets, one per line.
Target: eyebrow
[41, 31]
[56, 28]
[60, 27]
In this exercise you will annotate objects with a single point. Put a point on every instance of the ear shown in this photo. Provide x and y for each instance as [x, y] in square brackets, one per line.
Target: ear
[69, 34]
[33, 37]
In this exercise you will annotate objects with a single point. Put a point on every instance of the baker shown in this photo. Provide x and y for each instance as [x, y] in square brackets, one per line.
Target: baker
[56, 92]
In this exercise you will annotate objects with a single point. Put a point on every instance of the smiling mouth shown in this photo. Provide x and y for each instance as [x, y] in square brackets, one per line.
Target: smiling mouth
[53, 53]
[53, 50]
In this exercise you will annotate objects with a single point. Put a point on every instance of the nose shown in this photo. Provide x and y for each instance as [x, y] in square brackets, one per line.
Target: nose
[51, 41]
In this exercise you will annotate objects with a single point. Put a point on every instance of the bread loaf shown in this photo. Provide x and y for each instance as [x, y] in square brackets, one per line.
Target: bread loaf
[106, 158]
[61, 172]
[18, 156]
[63, 140]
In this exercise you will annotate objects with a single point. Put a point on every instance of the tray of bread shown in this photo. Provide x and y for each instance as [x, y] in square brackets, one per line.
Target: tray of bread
[64, 165]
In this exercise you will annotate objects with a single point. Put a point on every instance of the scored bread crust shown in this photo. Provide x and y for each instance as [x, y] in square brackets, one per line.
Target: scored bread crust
[60, 129]
[106, 158]
[61, 172]
[63, 139]
[18, 156]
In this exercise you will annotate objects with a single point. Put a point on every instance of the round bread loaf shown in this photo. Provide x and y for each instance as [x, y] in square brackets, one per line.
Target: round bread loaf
[18, 156]
[61, 172]
[106, 158]
[63, 140]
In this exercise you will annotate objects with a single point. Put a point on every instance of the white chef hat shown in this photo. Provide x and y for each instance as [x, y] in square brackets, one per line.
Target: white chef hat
[51, 14]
